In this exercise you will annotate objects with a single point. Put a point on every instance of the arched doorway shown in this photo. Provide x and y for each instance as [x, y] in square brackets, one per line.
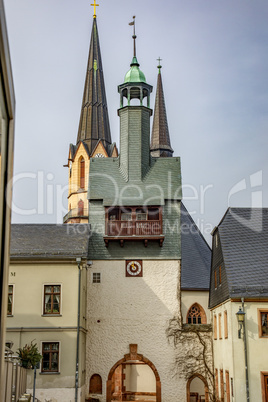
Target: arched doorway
[133, 378]
[197, 389]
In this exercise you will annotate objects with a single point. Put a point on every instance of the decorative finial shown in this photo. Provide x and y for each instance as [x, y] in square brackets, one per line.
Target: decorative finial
[159, 65]
[134, 34]
[94, 5]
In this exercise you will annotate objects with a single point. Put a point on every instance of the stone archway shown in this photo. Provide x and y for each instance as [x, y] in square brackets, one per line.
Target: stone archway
[205, 384]
[132, 356]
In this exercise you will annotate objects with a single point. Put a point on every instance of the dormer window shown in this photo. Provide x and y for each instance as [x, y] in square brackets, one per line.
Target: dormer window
[133, 223]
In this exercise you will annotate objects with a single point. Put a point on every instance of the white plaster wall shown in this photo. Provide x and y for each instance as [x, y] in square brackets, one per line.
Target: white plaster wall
[139, 378]
[58, 394]
[229, 353]
[124, 310]
[189, 297]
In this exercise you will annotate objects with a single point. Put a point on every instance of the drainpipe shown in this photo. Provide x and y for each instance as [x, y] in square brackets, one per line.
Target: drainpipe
[245, 350]
[78, 260]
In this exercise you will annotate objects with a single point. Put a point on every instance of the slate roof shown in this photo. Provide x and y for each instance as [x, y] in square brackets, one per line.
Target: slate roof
[49, 241]
[195, 255]
[243, 234]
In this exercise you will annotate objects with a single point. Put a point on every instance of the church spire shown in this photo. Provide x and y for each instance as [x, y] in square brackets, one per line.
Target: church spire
[160, 140]
[94, 121]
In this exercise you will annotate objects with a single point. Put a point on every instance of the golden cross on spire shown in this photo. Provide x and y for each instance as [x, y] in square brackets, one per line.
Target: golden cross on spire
[94, 5]
[159, 65]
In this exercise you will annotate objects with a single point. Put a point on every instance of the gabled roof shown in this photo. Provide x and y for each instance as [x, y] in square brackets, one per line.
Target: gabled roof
[39, 241]
[160, 140]
[94, 120]
[195, 255]
[243, 233]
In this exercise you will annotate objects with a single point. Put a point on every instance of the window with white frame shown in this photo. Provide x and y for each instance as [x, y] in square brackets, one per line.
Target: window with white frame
[52, 299]
[50, 354]
[10, 300]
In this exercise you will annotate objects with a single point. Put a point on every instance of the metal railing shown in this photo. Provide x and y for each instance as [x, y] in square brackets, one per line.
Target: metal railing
[16, 377]
[76, 213]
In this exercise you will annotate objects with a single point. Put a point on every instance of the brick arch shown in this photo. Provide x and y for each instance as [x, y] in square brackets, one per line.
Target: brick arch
[202, 313]
[133, 355]
[189, 385]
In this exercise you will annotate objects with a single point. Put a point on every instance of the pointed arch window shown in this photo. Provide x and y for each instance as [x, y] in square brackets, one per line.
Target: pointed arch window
[82, 172]
[196, 315]
[80, 208]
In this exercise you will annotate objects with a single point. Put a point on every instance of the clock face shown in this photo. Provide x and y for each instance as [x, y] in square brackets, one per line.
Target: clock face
[133, 268]
[99, 156]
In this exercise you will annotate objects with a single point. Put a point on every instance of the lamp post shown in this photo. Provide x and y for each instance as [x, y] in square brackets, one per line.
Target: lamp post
[241, 322]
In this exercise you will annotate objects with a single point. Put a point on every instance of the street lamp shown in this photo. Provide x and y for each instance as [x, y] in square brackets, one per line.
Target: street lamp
[240, 315]
[241, 322]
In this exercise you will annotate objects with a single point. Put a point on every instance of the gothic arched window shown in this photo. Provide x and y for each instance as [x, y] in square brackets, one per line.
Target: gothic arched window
[80, 207]
[82, 172]
[196, 315]
[95, 384]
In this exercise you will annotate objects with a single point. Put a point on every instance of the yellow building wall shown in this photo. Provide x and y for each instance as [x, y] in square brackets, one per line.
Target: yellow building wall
[229, 353]
[28, 323]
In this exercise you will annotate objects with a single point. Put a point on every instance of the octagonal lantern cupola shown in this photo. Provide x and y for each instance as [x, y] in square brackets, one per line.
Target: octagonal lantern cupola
[135, 85]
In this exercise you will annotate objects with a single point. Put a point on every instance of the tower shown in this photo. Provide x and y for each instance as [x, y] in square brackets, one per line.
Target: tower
[160, 141]
[93, 138]
[134, 212]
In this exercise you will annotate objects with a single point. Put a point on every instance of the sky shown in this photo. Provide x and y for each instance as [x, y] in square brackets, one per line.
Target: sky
[214, 70]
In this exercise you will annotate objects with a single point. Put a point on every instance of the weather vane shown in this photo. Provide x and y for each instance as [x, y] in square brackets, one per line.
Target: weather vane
[94, 5]
[134, 34]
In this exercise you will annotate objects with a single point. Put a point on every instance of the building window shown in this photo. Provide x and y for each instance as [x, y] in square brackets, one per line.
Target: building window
[82, 172]
[196, 315]
[52, 295]
[228, 399]
[222, 386]
[96, 277]
[215, 279]
[220, 335]
[263, 323]
[10, 300]
[50, 360]
[217, 384]
[80, 208]
[264, 385]
[225, 325]
[95, 385]
[215, 326]
[219, 275]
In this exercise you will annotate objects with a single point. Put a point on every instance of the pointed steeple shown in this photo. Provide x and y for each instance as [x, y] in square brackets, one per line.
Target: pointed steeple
[160, 140]
[94, 121]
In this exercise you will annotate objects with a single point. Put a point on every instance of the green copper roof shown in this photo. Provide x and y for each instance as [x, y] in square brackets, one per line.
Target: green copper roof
[134, 74]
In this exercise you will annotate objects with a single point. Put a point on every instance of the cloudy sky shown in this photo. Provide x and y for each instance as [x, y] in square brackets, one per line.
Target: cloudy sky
[215, 63]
